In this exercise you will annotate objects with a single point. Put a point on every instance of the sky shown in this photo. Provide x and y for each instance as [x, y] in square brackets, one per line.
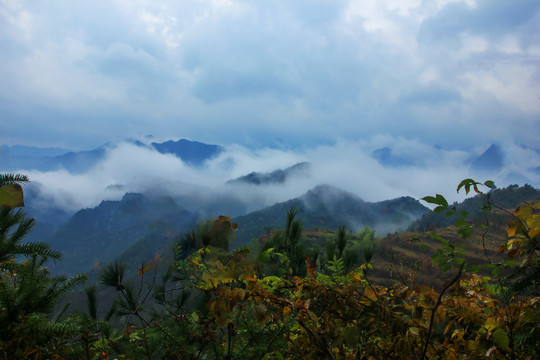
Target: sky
[293, 74]
[275, 82]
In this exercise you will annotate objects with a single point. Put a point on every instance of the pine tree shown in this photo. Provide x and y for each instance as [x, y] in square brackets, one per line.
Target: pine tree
[28, 291]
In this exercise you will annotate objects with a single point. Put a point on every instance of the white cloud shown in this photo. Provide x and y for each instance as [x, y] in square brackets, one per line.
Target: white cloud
[509, 44]
[261, 73]
[442, 3]
[509, 84]
[471, 45]
[424, 170]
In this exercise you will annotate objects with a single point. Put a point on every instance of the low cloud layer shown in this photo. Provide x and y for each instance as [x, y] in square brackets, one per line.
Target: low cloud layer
[348, 165]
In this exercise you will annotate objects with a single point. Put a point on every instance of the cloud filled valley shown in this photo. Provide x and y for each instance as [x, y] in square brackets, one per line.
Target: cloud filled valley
[377, 169]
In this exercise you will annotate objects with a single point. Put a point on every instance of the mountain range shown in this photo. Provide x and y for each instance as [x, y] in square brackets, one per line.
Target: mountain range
[492, 159]
[194, 153]
[13, 158]
[144, 222]
[142, 225]
[326, 206]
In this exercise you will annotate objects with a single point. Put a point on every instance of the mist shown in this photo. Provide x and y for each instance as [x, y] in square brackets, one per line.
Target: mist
[422, 170]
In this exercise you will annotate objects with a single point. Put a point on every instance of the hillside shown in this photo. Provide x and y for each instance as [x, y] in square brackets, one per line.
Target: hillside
[329, 207]
[98, 235]
[508, 198]
[398, 257]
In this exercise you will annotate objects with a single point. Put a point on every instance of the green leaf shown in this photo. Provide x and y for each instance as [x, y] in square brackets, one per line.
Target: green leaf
[490, 184]
[11, 196]
[467, 183]
[273, 356]
[437, 200]
[465, 232]
[439, 209]
[438, 238]
[500, 338]
[441, 200]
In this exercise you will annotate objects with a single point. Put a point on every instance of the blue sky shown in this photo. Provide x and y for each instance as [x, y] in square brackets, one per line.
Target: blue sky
[461, 74]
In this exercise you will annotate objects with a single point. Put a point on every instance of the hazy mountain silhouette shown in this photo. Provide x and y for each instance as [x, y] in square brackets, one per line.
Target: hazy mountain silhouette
[26, 157]
[489, 160]
[387, 157]
[19, 157]
[278, 176]
[76, 162]
[191, 152]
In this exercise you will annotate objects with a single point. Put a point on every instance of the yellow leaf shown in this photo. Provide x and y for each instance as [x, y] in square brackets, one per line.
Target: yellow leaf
[370, 294]
[523, 212]
[286, 310]
[491, 324]
[513, 226]
[11, 196]
[143, 269]
[458, 334]
[534, 226]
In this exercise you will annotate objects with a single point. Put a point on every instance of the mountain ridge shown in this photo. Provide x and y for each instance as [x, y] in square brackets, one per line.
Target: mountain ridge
[330, 207]
[19, 157]
[278, 176]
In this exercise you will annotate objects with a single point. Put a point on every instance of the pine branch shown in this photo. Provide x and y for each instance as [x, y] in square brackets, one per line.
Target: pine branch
[113, 275]
[37, 248]
[10, 178]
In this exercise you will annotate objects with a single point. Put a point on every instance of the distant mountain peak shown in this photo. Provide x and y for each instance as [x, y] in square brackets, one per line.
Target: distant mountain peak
[490, 160]
[191, 152]
[387, 157]
[329, 193]
[278, 176]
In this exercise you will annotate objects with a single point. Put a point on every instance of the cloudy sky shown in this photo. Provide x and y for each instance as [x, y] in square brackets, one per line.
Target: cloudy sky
[460, 74]
[275, 82]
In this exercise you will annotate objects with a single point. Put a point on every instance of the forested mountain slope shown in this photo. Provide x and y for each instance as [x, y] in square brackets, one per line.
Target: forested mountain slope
[508, 198]
[100, 234]
[329, 207]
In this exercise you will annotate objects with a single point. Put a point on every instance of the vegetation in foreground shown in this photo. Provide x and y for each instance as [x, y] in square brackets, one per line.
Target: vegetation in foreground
[278, 300]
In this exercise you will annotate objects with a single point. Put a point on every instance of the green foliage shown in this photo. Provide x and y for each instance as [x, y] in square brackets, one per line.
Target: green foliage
[298, 295]
[28, 292]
